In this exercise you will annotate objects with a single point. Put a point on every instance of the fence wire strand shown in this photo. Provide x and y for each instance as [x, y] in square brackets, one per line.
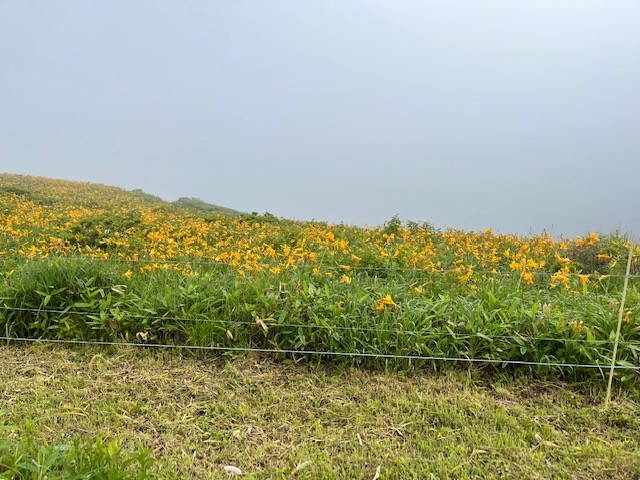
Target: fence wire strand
[319, 353]
[271, 323]
[354, 268]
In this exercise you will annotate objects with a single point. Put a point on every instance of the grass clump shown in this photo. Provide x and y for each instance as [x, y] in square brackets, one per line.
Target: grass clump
[48, 299]
[24, 459]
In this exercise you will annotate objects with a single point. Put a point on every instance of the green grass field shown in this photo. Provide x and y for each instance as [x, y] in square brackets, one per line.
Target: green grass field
[194, 415]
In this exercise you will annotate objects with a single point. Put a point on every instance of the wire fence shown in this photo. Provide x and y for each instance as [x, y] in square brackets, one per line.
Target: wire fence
[271, 323]
[601, 367]
[268, 323]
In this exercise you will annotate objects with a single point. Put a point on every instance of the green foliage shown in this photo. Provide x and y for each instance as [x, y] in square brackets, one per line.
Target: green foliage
[26, 459]
[393, 226]
[60, 298]
[607, 255]
[15, 190]
[146, 198]
[82, 299]
[266, 217]
[93, 230]
[202, 206]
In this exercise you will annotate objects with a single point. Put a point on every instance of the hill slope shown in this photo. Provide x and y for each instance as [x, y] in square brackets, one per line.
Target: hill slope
[89, 263]
[171, 274]
[50, 191]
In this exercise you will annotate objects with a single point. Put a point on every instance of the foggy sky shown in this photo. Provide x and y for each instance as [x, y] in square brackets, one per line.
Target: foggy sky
[521, 116]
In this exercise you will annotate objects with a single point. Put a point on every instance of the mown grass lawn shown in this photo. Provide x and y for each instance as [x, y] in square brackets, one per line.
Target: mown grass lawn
[197, 414]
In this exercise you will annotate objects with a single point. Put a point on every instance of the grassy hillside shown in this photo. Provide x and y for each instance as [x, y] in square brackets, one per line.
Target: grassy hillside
[202, 206]
[65, 193]
[82, 262]
[124, 266]
[52, 192]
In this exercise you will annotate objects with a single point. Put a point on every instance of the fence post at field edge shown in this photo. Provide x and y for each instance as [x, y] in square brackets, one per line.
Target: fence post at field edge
[620, 313]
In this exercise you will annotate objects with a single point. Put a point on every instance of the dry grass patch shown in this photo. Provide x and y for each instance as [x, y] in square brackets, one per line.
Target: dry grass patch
[199, 414]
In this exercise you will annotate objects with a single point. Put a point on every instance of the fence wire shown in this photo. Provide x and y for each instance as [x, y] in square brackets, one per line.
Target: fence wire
[320, 353]
[354, 268]
[269, 322]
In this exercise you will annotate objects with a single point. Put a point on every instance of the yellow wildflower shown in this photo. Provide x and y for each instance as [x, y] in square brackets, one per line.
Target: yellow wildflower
[527, 278]
[385, 301]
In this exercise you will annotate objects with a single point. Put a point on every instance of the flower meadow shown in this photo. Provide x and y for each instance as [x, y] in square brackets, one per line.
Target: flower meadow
[91, 262]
